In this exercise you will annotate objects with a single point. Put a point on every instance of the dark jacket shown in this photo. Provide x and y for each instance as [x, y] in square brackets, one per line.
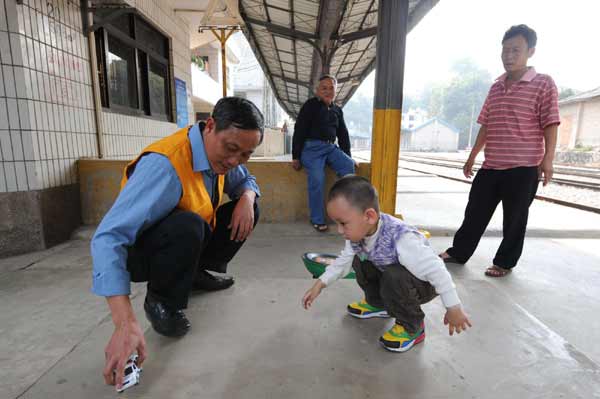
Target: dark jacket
[319, 122]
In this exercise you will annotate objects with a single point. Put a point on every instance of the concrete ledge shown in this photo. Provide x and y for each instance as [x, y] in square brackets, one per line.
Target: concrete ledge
[21, 223]
[38, 219]
[99, 182]
[284, 190]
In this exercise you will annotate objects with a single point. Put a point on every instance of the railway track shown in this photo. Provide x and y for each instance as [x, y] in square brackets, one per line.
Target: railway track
[573, 177]
[583, 171]
[592, 181]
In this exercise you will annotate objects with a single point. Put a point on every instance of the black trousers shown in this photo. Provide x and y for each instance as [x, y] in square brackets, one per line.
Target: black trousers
[168, 254]
[396, 290]
[516, 189]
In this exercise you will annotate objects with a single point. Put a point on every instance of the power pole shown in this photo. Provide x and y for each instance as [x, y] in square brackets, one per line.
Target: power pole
[222, 33]
[471, 125]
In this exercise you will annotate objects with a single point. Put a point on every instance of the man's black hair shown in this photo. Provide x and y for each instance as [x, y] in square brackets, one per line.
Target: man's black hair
[358, 191]
[328, 76]
[238, 112]
[523, 30]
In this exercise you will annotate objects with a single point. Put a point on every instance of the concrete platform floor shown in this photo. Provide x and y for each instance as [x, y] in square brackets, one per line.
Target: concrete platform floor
[428, 200]
[536, 333]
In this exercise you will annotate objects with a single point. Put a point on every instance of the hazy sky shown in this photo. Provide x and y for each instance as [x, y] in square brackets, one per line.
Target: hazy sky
[568, 40]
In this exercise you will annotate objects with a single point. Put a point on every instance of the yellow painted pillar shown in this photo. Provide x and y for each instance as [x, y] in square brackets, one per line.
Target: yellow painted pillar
[387, 113]
[384, 156]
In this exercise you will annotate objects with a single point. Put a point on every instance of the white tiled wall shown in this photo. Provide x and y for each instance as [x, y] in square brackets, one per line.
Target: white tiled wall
[46, 101]
[125, 136]
[46, 109]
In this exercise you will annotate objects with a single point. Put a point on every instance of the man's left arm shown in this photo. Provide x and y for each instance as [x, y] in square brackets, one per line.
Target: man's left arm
[342, 135]
[549, 120]
[546, 167]
[240, 185]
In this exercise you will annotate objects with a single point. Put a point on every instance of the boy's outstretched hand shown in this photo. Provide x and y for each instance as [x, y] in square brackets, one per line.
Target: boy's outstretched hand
[312, 294]
[456, 320]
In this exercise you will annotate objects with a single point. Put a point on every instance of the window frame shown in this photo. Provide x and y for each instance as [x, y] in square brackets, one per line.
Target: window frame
[142, 70]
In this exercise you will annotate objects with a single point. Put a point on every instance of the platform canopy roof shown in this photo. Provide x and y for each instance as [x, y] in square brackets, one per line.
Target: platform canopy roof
[296, 41]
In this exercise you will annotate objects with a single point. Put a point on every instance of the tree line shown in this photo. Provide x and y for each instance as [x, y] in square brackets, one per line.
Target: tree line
[457, 101]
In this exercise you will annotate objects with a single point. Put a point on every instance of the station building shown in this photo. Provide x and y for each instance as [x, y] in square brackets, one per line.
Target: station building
[154, 71]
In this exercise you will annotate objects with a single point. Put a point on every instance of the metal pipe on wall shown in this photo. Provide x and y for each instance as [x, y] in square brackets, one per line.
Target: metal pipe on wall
[95, 82]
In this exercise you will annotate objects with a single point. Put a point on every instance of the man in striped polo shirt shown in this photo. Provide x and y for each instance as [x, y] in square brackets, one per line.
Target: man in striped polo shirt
[519, 122]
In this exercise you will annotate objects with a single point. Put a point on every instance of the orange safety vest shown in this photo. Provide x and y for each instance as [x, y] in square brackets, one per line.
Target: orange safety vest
[194, 198]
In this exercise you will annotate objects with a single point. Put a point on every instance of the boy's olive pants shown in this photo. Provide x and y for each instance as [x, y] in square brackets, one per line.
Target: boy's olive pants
[396, 290]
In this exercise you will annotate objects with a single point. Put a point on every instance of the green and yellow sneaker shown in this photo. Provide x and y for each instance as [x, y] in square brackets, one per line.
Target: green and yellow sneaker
[397, 339]
[362, 310]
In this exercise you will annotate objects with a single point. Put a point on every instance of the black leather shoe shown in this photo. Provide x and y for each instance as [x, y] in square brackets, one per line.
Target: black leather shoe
[452, 259]
[165, 321]
[205, 281]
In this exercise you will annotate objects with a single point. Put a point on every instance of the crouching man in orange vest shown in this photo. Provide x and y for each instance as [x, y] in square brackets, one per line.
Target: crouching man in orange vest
[167, 228]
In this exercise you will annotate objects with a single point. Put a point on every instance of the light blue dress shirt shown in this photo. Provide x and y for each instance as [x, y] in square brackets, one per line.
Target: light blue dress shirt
[152, 191]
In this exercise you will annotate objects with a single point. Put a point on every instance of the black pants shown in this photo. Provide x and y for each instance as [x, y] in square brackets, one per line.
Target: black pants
[168, 254]
[396, 290]
[516, 189]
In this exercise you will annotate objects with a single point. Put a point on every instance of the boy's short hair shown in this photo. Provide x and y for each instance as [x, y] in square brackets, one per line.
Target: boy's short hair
[358, 191]
[523, 30]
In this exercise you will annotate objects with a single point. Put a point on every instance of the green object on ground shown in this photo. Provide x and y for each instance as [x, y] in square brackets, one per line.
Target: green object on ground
[315, 264]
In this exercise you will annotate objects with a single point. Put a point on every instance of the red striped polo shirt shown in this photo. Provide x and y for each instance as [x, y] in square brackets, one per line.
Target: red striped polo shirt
[515, 120]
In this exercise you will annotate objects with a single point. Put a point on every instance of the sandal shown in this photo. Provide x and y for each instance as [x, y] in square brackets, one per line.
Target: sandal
[321, 228]
[496, 271]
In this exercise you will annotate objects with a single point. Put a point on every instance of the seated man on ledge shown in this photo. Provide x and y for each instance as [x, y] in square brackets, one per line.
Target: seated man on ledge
[166, 226]
[320, 122]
